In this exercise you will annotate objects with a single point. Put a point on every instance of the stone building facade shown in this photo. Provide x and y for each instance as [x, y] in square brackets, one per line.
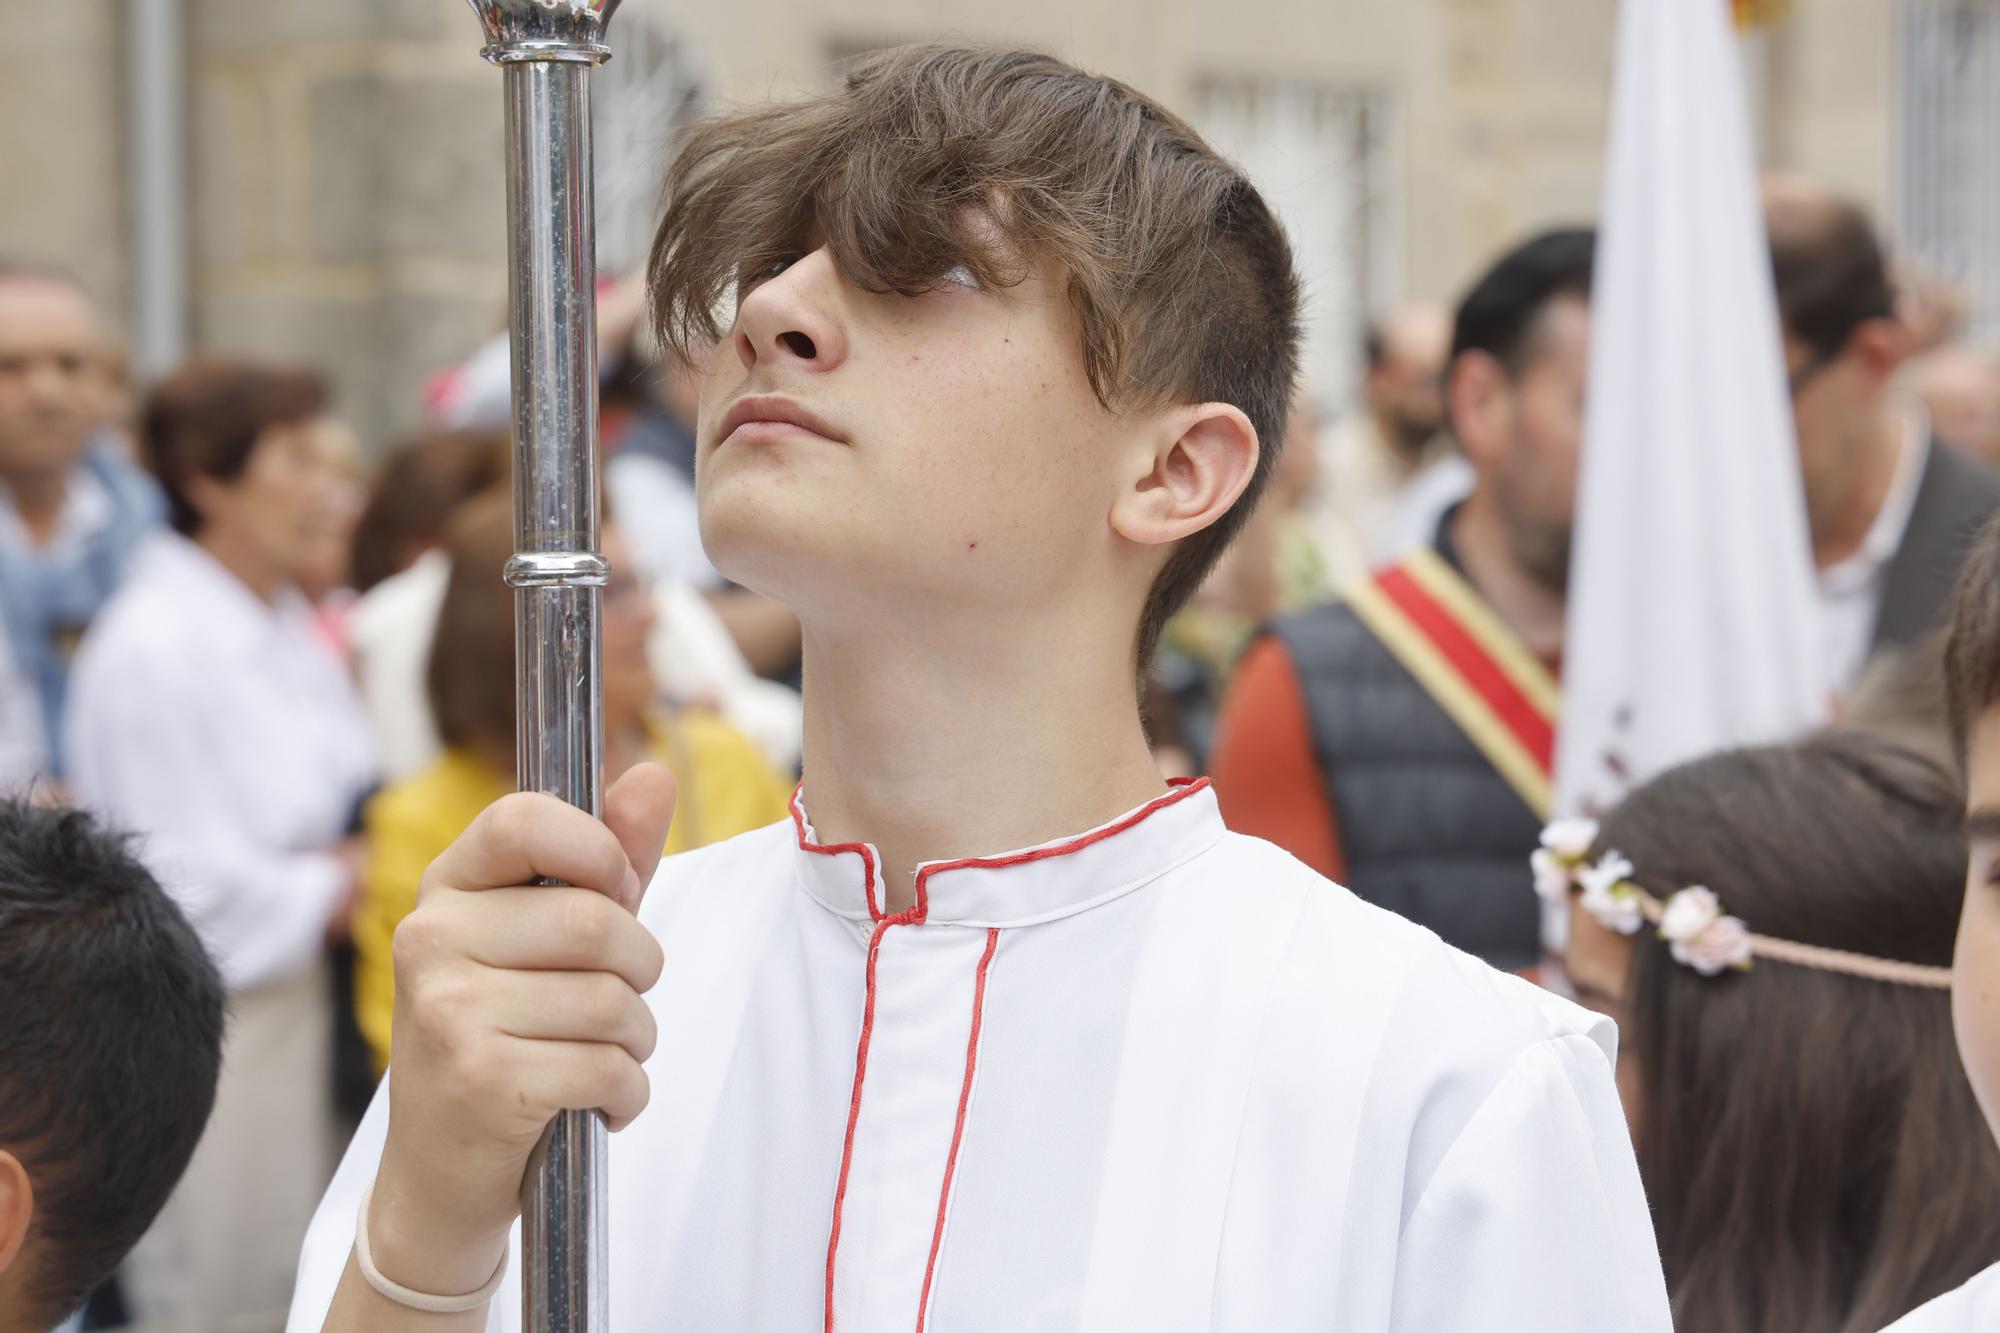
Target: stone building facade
[344, 196]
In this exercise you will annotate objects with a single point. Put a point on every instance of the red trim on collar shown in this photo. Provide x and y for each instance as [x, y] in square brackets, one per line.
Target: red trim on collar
[1182, 789]
[861, 849]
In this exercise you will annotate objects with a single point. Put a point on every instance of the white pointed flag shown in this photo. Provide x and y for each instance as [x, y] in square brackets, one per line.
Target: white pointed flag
[1692, 619]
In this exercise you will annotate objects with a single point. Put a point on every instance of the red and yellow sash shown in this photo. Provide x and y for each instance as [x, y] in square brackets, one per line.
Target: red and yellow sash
[1478, 670]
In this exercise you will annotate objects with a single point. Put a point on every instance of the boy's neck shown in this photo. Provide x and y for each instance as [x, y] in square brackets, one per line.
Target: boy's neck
[933, 751]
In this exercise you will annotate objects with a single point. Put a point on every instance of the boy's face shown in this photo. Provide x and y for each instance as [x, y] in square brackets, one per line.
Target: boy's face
[1975, 984]
[954, 461]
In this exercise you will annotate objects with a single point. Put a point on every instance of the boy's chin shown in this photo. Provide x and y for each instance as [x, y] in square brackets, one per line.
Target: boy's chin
[766, 552]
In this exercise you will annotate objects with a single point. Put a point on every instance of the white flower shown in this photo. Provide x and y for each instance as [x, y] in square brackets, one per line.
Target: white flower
[1552, 877]
[1609, 895]
[1688, 913]
[1612, 869]
[1618, 908]
[1724, 942]
[1570, 839]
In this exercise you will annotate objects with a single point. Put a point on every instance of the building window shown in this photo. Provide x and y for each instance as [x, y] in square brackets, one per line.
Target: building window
[1948, 196]
[1321, 157]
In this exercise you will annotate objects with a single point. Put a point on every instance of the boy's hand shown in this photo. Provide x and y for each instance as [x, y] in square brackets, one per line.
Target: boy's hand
[513, 1001]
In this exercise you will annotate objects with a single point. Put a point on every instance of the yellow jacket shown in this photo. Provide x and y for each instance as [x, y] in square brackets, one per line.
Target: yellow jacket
[726, 787]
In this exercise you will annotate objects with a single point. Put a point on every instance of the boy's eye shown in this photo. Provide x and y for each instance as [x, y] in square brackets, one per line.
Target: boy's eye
[961, 275]
[753, 276]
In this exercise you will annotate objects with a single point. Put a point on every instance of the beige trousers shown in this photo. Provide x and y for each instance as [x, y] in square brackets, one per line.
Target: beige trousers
[222, 1255]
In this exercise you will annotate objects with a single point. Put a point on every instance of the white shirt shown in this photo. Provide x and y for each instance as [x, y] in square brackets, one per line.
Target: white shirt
[1159, 1077]
[1972, 1308]
[1413, 522]
[223, 730]
[1850, 592]
[390, 632]
[86, 509]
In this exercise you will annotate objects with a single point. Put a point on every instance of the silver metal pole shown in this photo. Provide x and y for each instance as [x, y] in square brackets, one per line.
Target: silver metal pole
[546, 49]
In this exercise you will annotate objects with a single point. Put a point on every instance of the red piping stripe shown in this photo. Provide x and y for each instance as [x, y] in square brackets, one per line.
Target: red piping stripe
[1182, 789]
[853, 1118]
[860, 849]
[1464, 652]
[958, 1129]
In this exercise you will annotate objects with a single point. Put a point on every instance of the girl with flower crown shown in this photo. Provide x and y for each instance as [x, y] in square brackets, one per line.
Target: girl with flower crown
[1772, 930]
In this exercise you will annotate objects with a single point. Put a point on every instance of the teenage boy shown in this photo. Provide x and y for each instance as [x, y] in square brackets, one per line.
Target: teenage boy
[110, 1044]
[1972, 692]
[996, 344]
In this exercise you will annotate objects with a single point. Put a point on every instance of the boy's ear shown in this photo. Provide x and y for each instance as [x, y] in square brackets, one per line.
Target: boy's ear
[17, 1207]
[1186, 474]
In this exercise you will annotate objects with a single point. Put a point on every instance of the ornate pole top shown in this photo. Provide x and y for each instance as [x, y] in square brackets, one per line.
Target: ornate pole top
[526, 30]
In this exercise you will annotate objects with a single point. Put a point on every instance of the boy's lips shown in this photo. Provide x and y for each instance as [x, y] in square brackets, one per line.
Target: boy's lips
[770, 416]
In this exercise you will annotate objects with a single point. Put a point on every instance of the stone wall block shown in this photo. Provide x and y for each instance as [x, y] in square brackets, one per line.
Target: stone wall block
[253, 25]
[443, 167]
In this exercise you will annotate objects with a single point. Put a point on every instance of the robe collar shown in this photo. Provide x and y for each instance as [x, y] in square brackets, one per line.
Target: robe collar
[1020, 888]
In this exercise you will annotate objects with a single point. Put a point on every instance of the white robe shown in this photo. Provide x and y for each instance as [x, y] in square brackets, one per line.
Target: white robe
[1156, 1078]
[225, 731]
[1972, 1308]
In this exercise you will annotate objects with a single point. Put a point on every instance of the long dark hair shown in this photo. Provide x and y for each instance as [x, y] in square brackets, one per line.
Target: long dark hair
[1812, 1149]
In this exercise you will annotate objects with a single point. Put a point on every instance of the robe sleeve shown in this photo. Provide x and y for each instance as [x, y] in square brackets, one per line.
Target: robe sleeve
[1535, 1217]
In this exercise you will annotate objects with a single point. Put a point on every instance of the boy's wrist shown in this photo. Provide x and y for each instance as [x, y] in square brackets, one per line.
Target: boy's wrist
[420, 1247]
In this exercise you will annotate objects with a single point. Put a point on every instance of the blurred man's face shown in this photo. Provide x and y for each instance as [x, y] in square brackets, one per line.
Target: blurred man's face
[1836, 411]
[1524, 434]
[52, 393]
[1406, 390]
[1975, 973]
[1824, 415]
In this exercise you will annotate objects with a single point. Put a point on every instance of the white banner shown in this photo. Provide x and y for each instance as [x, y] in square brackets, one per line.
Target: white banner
[1692, 611]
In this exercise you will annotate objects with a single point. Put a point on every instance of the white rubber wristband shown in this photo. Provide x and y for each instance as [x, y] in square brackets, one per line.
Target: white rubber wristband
[402, 1295]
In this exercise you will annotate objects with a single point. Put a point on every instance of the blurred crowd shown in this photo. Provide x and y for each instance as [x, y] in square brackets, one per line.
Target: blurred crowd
[281, 656]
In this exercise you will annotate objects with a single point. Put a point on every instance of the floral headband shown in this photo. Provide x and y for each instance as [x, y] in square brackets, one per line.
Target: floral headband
[1699, 934]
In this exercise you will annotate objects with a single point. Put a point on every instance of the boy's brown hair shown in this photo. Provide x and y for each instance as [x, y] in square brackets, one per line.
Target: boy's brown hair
[1972, 648]
[1179, 273]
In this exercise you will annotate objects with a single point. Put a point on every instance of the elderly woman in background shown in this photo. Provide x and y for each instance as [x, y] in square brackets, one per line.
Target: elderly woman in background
[207, 712]
[726, 784]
